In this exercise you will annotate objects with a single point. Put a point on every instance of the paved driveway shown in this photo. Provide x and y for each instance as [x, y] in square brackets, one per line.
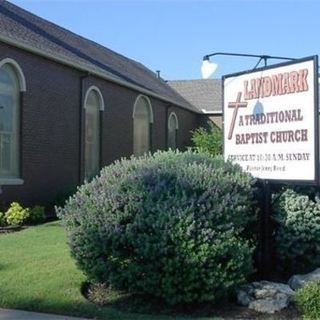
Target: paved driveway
[6, 314]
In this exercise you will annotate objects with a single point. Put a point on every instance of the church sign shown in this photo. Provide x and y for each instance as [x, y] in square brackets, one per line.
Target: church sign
[271, 121]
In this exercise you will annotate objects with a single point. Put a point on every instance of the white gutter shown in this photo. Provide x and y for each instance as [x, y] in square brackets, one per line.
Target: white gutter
[213, 112]
[61, 59]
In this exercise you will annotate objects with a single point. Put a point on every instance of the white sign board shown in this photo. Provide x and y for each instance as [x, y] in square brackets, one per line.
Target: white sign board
[270, 121]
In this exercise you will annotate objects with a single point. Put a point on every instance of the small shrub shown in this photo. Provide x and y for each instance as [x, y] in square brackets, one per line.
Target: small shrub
[37, 215]
[16, 215]
[297, 231]
[308, 300]
[3, 221]
[169, 225]
[208, 140]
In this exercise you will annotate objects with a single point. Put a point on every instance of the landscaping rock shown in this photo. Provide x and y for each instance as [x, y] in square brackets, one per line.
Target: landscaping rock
[265, 296]
[244, 298]
[300, 280]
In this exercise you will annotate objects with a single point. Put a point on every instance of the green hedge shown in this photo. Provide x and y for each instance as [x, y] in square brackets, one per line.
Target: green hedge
[296, 216]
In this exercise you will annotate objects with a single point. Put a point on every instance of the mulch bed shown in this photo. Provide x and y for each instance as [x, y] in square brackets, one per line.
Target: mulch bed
[147, 305]
[10, 229]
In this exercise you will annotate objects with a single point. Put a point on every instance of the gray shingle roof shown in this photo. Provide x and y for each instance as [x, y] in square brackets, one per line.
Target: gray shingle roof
[203, 94]
[29, 30]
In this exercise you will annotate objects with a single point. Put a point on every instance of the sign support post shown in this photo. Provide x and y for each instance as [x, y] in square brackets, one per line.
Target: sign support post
[265, 261]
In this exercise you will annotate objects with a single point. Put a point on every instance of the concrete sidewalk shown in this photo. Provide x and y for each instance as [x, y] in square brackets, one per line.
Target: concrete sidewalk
[7, 314]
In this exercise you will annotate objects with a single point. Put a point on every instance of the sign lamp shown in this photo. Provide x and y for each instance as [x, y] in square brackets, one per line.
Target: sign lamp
[208, 68]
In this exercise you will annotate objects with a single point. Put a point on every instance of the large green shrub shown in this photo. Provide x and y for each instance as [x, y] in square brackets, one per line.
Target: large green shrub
[308, 300]
[168, 225]
[208, 139]
[297, 231]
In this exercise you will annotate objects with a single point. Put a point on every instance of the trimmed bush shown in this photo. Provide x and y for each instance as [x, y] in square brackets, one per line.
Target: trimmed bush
[208, 140]
[37, 215]
[168, 225]
[297, 231]
[308, 301]
[16, 215]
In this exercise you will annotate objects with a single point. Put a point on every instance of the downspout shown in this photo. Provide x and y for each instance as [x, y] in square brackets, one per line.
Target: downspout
[151, 136]
[81, 130]
[166, 126]
[20, 142]
[101, 114]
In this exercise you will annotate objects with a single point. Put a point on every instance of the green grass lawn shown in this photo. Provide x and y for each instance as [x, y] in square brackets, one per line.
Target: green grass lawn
[38, 274]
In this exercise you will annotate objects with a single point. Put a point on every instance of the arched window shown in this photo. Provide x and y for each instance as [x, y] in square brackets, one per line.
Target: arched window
[173, 127]
[142, 119]
[11, 83]
[93, 104]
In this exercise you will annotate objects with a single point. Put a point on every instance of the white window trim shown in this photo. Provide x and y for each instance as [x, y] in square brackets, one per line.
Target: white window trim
[11, 181]
[20, 74]
[141, 96]
[97, 90]
[172, 114]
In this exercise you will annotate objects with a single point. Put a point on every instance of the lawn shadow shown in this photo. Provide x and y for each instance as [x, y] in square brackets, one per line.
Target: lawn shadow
[4, 266]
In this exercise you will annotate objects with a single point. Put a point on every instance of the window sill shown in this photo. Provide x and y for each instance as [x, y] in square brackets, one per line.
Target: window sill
[11, 181]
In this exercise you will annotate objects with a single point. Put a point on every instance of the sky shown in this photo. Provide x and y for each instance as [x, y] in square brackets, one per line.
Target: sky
[173, 35]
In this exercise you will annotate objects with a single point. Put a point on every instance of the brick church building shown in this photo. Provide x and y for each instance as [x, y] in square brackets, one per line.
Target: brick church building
[69, 106]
